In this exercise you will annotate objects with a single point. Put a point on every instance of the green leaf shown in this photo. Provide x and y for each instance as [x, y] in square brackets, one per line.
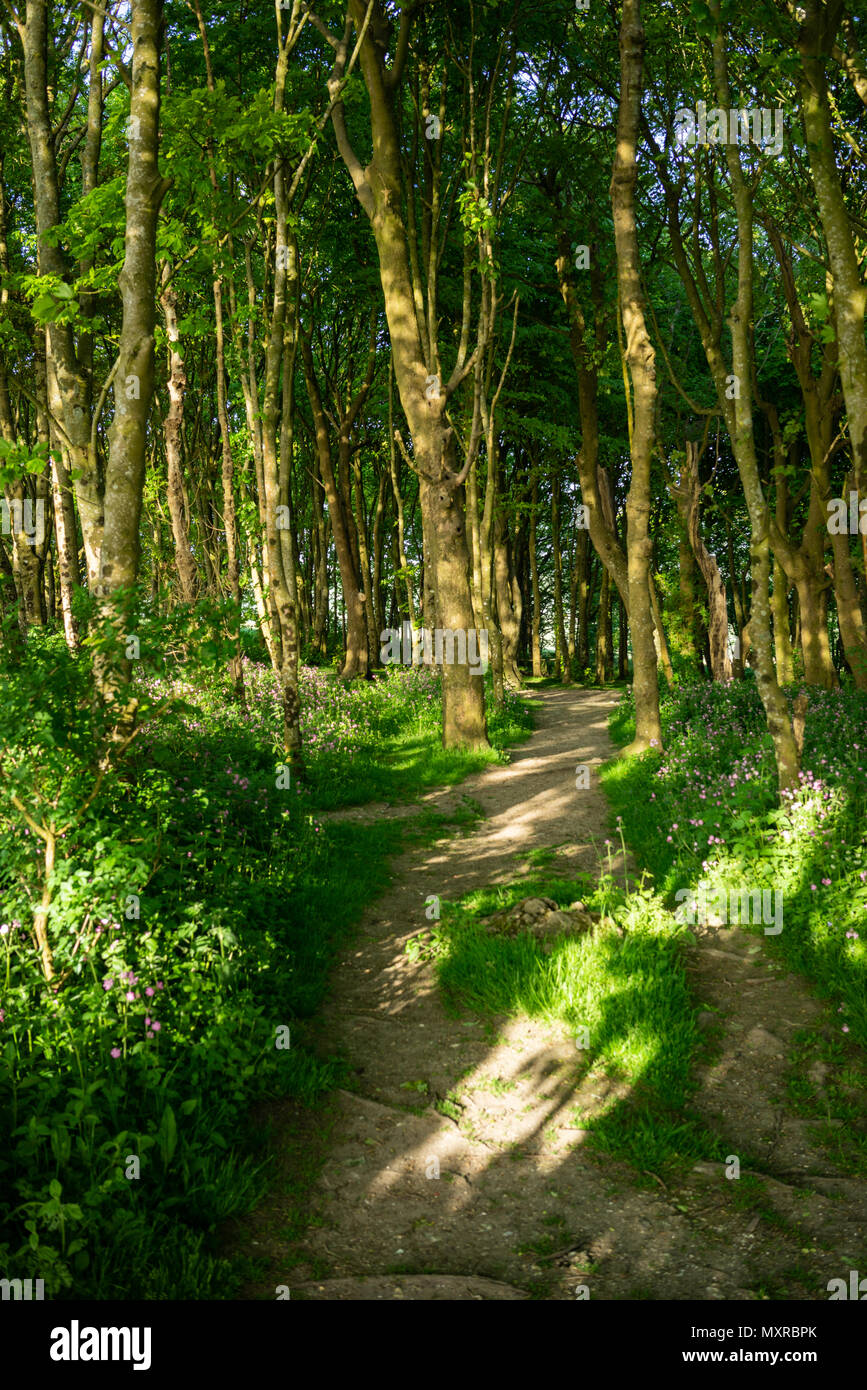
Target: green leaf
[167, 1136]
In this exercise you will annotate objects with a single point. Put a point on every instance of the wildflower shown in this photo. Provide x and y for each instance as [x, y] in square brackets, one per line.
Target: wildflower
[107, 983]
[115, 1052]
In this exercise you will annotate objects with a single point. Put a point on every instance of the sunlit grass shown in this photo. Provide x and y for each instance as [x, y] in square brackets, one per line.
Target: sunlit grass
[707, 809]
[629, 992]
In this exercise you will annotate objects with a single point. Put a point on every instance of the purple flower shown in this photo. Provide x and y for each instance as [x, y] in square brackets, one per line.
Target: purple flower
[115, 1052]
[149, 989]
[107, 983]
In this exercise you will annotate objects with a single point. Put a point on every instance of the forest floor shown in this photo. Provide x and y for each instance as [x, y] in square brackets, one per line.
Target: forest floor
[357, 1210]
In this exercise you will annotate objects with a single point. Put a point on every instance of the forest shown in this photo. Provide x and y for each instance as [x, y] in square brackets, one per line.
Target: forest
[433, 650]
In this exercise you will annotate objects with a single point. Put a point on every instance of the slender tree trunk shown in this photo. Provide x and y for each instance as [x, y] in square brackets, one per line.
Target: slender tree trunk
[743, 441]
[355, 663]
[603, 631]
[65, 529]
[282, 591]
[659, 637]
[376, 598]
[640, 357]
[379, 191]
[563, 667]
[508, 616]
[815, 39]
[320, 585]
[534, 574]
[373, 629]
[583, 561]
[230, 516]
[172, 424]
[134, 382]
[72, 381]
[687, 495]
[394, 468]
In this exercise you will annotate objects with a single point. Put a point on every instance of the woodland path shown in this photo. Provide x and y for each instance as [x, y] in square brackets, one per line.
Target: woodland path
[513, 1166]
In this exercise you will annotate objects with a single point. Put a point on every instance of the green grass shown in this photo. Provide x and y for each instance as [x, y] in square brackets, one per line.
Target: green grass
[841, 1098]
[716, 779]
[630, 993]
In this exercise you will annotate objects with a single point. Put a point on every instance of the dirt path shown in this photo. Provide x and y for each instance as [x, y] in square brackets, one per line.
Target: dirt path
[410, 1202]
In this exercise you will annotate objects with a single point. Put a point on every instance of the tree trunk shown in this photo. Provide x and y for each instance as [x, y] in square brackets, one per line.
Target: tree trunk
[134, 382]
[582, 562]
[230, 516]
[563, 668]
[640, 357]
[508, 616]
[403, 572]
[687, 495]
[177, 386]
[379, 191]
[72, 383]
[282, 592]
[815, 38]
[536, 621]
[743, 441]
[355, 662]
[603, 631]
